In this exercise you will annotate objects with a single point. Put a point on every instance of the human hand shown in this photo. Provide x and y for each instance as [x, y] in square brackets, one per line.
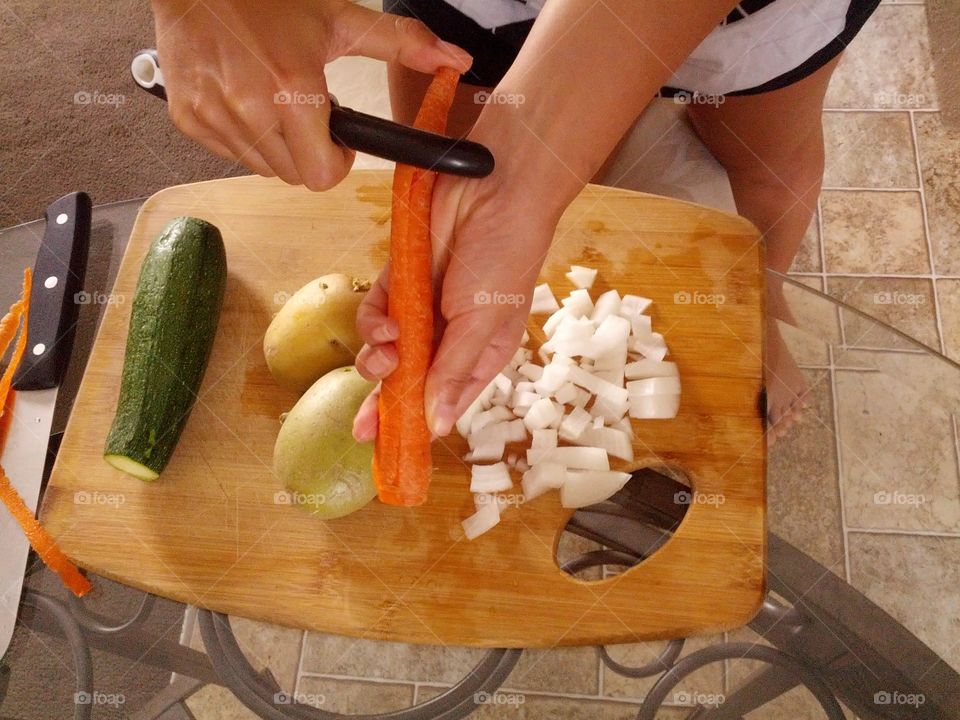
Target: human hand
[488, 249]
[245, 78]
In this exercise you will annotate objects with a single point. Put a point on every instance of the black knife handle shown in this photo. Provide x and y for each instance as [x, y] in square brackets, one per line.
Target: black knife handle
[366, 133]
[57, 293]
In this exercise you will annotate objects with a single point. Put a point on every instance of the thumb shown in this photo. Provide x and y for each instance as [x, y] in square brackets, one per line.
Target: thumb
[395, 38]
[475, 346]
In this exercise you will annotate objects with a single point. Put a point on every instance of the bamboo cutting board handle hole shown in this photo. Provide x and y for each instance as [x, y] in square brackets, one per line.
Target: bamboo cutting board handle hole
[659, 514]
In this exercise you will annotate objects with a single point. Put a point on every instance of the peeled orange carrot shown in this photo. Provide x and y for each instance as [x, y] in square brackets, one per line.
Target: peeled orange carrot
[401, 462]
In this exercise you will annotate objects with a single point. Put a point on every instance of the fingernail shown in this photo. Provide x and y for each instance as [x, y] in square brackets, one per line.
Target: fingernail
[441, 418]
[378, 363]
[384, 333]
[457, 53]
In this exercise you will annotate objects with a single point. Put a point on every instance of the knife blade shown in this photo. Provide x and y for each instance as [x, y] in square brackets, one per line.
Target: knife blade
[54, 302]
[364, 133]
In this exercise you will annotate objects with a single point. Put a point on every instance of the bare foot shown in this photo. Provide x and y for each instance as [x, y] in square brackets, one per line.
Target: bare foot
[786, 386]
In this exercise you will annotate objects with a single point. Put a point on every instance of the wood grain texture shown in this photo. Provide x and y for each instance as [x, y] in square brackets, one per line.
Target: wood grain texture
[210, 532]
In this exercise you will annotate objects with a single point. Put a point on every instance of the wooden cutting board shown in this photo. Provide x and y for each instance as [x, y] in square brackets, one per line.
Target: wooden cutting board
[211, 533]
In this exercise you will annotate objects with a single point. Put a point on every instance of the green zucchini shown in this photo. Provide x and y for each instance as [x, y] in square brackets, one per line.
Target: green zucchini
[176, 308]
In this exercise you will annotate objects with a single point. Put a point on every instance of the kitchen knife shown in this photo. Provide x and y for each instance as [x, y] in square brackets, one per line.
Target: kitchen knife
[363, 132]
[54, 302]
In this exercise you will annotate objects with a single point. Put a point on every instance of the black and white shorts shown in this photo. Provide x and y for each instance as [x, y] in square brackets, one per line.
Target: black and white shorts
[761, 45]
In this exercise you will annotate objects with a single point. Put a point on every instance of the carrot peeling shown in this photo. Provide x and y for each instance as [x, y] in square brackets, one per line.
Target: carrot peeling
[40, 540]
[402, 465]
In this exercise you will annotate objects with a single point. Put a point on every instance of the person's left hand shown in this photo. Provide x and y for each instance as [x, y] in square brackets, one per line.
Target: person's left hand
[489, 245]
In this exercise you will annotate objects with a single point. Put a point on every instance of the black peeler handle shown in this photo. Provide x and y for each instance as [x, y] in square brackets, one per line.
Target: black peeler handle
[365, 133]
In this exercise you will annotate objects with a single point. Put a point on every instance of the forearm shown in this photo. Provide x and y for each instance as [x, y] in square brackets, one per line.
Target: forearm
[583, 76]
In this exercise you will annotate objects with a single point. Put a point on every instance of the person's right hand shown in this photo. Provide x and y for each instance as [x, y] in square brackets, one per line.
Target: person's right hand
[245, 78]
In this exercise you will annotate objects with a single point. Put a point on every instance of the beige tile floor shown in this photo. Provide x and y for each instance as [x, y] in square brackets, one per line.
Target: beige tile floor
[886, 240]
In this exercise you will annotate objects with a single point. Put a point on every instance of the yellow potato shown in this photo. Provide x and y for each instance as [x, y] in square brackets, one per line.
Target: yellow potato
[315, 331]
[324, 470]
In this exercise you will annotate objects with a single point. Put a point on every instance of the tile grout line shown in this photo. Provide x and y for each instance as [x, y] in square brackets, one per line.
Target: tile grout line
[628, 700]
[926, 234]
[897, 531]
[880, 110]
[892, 276]
[835, 403]
[858, 188]
[956, 443]
[300, 673]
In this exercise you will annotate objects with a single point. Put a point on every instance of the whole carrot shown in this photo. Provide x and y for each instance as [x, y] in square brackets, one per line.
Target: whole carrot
[401, 462]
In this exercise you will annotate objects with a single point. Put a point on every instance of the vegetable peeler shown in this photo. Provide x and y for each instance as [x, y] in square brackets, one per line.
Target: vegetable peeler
[364, 133]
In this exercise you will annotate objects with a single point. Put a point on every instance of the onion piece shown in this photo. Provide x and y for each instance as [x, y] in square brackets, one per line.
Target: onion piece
[490, 478]
[516, 431]
[481, 521]
[488, 417]
[610, 334]
[463, 422]
[489, 451]
[615, 442]
[583, 458]
[554, 376]
[530, 371]
[573, 425]
[598, 386]
[589, 487]
[578, 304]
[624, 425]
[554, 320]
[610, 410]
[566, 394]
[542, 477]
[525, 399]
[654, 407]
[634, 305]
[607, 304]
[652, 347]
[544, 438]
[581, 277]
[543, 300]
[540, 414]
[647, 368]
[654, 386]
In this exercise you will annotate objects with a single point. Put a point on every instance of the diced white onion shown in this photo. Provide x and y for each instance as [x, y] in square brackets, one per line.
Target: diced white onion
[654, 386]
[634, 305]
[463, 422]
[481, 521]
[573, 425]
[542, 477]
[544, 438]
[584, 458]
[540, 414]
[646, 368]
[566, 394]
[530, 371]
[582, 277]
[543, 300]
[578, 304]
[492, 450]
[654, 407]
[607, 304]
[584, 487]
[553, 321]
[616, 442]
[490, 478]
[554, 375]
